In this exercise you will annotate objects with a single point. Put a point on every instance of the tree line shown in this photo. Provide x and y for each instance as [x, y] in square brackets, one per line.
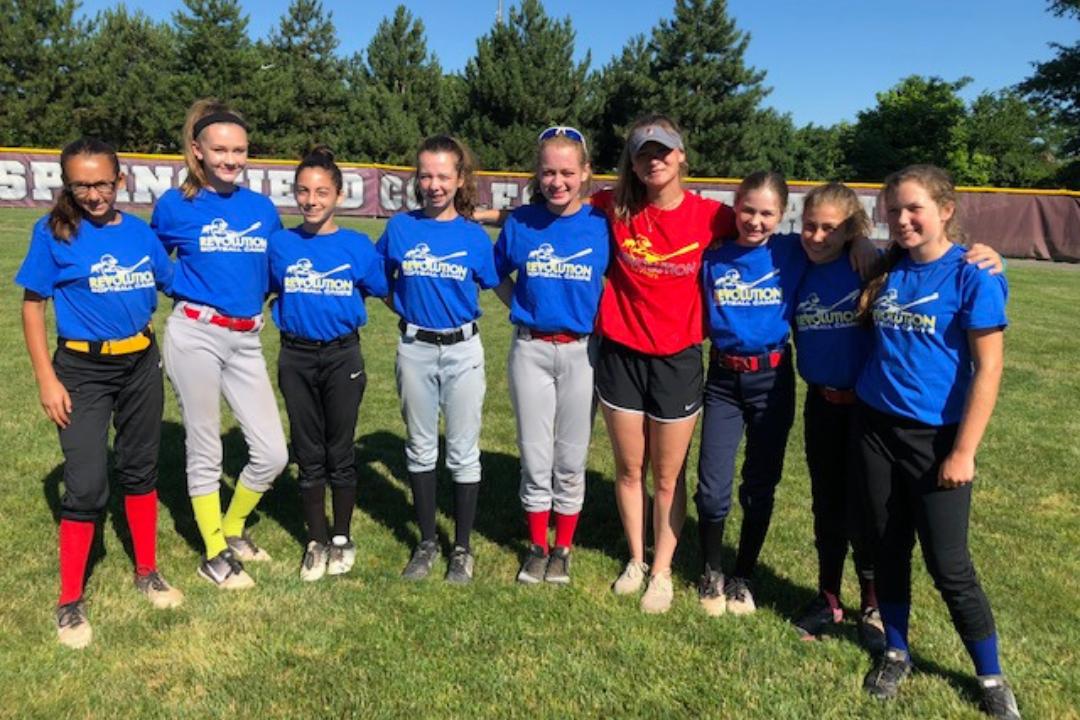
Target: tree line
[126, 78]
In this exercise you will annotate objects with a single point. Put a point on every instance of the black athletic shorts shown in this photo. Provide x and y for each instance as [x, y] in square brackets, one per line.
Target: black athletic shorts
[664, 387]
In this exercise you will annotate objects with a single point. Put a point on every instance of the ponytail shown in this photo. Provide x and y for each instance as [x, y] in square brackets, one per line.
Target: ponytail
[210, 110]
[321, 157]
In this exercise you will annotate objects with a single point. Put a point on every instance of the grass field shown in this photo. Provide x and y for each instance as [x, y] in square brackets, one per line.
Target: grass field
[371, 645]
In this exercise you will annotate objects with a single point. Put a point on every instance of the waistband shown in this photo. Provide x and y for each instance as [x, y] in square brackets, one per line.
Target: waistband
[749, 363]
[124, 346]
[558, 338]
[209, 316]
[835, 396]
[305, 343]
[439, 337]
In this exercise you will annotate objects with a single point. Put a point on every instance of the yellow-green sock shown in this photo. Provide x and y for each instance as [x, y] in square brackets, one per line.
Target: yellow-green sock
[243, 502]
[208, 518]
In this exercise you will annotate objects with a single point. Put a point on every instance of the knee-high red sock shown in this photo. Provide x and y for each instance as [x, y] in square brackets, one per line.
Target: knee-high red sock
[564, 529]
[538, 528]
[141, 513]
[75, 539]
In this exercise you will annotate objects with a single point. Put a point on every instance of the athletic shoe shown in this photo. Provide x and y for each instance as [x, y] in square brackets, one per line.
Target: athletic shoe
[710, 592]
[558, 567]
[460, 568]
[161, 594]
[657, 597]
[871, 631]
[997, 700]
[631, 579]
[225, 571]
[816, 617]
[422, 560]
[313, 565]
[532, 569]
[342, 558]
[740, 601]
[72, 627]
[890, 669]
[246, 550]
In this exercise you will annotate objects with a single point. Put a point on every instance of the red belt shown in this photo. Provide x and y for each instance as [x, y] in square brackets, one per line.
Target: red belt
[749, 363]
[239, 324]
[836, 396]
[559, 338]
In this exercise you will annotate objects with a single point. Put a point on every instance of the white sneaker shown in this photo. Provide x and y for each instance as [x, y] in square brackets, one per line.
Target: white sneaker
[313, 566]
[72, 627]
[631, 579]
[658, 596]
[740, 601]
[342, 557]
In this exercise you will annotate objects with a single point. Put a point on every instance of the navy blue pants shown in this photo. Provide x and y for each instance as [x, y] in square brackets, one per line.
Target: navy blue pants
[761, 405]
[900, 461]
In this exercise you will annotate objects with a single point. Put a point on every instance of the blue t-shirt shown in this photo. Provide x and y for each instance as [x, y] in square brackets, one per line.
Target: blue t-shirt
[220, 244]
[434, 268]
[321, 281]
[103, 281]
[831, 345]
[560, 264]
[749, 292]
[920, 365]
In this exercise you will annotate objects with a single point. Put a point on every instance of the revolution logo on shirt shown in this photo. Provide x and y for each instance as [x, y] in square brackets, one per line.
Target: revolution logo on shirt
[217, 236]
[891, 314]
[420, 262]
[302, 277]
[108, 275]
[810, 314]
[639, 256]
[731, 289]
[543, 262]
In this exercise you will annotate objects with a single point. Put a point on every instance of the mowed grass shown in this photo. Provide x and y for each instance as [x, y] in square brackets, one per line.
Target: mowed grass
[371, 645]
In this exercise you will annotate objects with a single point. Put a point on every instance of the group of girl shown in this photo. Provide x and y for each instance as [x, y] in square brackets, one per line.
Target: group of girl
[893, 414]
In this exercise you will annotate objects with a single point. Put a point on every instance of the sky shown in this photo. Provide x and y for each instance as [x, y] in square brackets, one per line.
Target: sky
[825, 59]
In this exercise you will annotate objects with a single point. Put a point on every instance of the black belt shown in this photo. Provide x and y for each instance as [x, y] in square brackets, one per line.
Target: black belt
[302, 342]
[451, 337]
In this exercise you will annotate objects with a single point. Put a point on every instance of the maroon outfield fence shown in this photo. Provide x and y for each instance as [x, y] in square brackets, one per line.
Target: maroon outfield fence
[1040, 224]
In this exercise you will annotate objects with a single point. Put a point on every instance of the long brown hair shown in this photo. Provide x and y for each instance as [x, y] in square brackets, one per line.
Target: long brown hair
[466, 197]
[857, 222]
[939, 186]
[764, 179]
[630, 195]
[196, 178]
[65, 216]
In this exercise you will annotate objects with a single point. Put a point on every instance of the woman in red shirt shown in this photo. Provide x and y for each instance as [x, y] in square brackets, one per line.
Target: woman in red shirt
[649, 370]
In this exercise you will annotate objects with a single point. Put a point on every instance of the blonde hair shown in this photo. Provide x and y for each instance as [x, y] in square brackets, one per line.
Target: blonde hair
[466, 197]
[939, 186]
[196, 178]
[856, 220]
[630, 195]
[535, 196]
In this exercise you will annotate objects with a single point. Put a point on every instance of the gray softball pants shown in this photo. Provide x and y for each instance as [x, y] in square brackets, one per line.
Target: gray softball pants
[205, 362]
[551, 389]
[449, 378]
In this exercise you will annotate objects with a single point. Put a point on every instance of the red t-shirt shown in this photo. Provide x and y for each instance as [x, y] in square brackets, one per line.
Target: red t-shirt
[652, 302]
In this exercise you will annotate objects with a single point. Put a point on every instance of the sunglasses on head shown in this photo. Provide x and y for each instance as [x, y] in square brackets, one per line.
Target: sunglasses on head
[564, 131]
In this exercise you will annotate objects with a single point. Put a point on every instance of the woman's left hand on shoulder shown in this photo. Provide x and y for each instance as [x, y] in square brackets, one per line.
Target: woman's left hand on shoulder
[986, 258]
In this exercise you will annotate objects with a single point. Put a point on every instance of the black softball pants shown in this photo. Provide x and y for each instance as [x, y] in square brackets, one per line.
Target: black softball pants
[126, 390]
[900, 461]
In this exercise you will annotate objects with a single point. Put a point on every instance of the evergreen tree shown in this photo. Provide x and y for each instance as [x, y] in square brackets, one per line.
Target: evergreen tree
[522, 79]
[214, 53]
[622, 91]
[126, 93]
[39, 44]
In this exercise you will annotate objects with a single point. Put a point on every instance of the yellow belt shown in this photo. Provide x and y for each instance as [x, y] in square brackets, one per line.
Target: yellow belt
[126, 346]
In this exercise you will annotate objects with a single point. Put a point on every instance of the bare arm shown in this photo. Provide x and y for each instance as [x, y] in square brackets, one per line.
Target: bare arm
[54, 397]
[490, 216]
[505, 291]
[987, 350]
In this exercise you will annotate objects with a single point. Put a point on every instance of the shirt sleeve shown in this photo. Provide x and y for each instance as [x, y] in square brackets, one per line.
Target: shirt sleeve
[161, 223]
[38, 272]
[983, 299]
[723, 223]
[372, 280]
[503, 264]
[164, 270]
[485, 272]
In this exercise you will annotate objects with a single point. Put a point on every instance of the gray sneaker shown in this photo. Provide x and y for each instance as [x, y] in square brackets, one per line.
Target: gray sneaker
[313, 566]
[532, 570]
[558, 567]
[342, 558]
[225, 571]
[245, 549]
[997, 699]
[422, 560]
[460, 569]
[72, 627]
[160, 593]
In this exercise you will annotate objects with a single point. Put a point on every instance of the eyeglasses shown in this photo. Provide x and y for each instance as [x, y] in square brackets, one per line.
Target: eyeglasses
[564, 131]
[103, 188]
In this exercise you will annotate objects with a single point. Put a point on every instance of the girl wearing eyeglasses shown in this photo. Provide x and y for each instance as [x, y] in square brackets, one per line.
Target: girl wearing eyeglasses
[102, 268]
[219, 230]
[557, 248]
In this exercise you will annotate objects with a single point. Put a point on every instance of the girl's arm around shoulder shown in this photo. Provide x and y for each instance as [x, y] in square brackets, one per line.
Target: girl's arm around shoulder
[987, 352]
[370, 266]
[484, 270]
[985, 258]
